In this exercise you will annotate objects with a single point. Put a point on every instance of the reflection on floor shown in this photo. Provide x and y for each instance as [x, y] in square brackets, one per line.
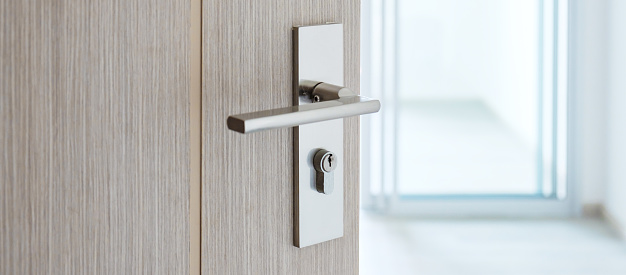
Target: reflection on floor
[461, 147]
[503, 247]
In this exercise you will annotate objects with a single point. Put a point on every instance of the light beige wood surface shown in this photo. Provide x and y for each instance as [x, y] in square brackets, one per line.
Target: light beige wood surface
[247, 224]
[94, 137]
[195, 135]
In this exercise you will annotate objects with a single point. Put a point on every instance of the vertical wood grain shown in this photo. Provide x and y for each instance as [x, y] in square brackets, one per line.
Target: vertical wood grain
[195, 135]
[94, 136]
[247, 193]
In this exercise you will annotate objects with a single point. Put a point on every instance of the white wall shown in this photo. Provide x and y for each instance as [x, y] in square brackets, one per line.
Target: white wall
[616, 116]
[600, 87]
[589, 64]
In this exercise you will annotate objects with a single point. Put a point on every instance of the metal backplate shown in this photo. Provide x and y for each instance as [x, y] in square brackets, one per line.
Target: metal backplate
[318, 56]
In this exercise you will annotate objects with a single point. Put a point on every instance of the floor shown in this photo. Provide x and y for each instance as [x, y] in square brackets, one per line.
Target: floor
[461, 147]
[484, 246]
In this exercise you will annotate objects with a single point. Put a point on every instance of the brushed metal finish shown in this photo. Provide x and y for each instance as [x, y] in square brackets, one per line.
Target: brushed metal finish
[324, 162]
[303, 114]
[94, 137]
[247, 180]
[318, 76]
[318, 217]
[325, 92]
[318, 55]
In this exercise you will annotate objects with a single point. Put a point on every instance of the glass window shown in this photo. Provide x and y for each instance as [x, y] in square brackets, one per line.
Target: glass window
[474, 98]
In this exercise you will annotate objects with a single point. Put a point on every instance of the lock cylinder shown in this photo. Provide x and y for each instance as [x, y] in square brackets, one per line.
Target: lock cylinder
[324, 162]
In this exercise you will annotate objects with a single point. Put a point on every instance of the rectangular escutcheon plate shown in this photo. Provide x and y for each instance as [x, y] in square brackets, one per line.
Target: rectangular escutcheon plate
[318, 217]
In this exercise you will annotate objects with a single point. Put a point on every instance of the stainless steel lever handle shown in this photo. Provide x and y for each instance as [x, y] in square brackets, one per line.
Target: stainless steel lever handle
[333, 102]
[319, 105]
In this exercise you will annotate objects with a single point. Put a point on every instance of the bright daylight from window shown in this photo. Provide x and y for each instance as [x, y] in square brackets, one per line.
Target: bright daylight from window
[474, 164]
[467, 97]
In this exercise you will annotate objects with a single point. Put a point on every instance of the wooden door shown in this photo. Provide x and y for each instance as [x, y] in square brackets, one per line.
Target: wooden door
[247, 180]
[100, 137]
[94, 137]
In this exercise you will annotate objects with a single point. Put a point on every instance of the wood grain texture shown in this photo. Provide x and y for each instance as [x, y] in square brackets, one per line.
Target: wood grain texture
[94, 132]
[247, 223]
[195, 135]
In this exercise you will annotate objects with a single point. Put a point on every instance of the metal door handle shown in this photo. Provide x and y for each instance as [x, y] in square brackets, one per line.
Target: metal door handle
[319, 102]
[327, 102]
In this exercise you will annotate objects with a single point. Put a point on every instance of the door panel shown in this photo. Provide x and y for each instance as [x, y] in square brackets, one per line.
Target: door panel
[94, 165]
[247, 186]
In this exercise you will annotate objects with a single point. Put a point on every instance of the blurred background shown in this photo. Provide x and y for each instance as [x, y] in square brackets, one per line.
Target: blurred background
[500, 146]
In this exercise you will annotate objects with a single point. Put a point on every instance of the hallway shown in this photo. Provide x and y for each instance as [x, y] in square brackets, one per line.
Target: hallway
[489, 246]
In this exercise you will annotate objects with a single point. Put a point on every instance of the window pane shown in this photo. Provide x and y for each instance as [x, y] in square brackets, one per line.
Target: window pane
[468, 96]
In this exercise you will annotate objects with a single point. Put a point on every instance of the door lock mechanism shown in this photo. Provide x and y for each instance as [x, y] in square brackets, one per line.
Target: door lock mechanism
[324, 162]
[320, 102]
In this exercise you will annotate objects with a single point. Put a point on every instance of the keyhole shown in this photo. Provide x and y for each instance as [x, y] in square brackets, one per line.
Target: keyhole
[329, 161]
[324, 161]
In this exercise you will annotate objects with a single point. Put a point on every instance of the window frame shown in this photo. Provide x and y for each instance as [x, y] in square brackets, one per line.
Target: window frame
[378, 139]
